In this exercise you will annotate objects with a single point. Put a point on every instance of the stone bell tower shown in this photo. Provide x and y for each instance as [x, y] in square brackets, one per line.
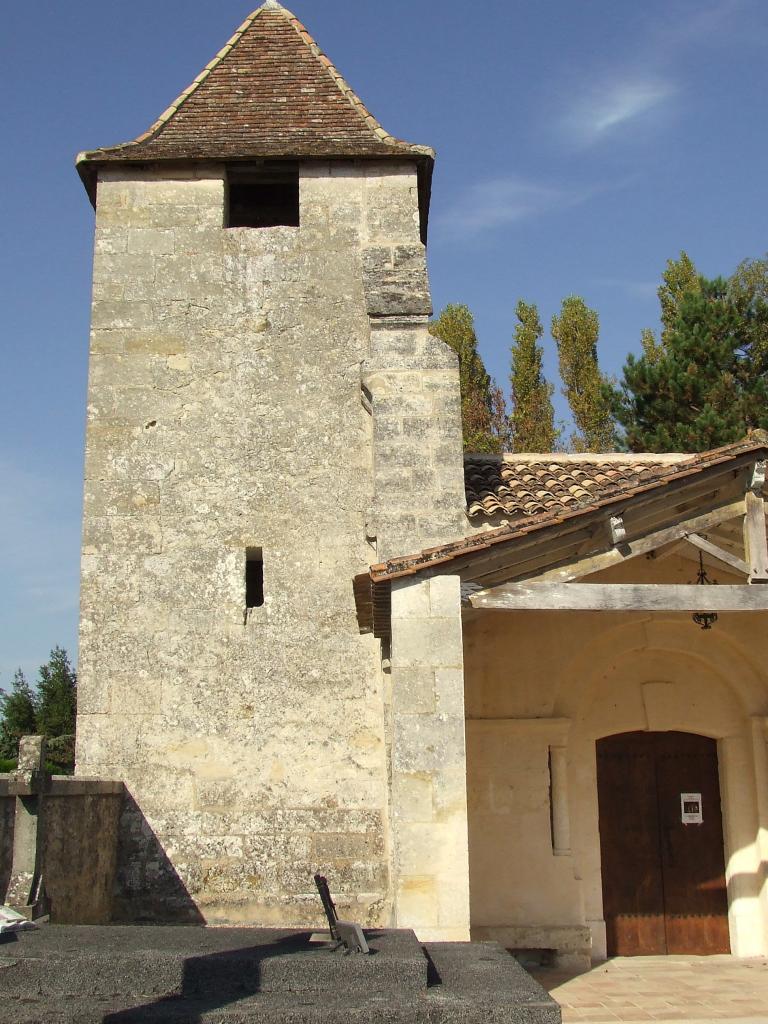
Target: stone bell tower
[267, 415]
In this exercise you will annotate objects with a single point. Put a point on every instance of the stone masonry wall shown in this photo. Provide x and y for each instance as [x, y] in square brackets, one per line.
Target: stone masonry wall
[418, 462]
[224, 414]
[414, 383]
[7, 804]
[79, 825]
[429, 771]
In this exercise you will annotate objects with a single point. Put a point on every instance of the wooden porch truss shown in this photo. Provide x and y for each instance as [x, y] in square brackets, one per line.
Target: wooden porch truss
[549, 586]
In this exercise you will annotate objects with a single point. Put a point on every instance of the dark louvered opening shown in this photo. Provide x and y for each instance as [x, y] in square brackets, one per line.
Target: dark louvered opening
[263, 197]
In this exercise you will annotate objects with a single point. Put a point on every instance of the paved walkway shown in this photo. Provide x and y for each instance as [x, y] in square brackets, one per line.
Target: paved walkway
[696, 990]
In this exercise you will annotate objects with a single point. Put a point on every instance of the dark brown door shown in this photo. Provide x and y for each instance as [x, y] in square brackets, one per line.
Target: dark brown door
[663, 878]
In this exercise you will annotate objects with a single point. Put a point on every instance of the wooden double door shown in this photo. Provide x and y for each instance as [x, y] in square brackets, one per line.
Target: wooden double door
[661, 844]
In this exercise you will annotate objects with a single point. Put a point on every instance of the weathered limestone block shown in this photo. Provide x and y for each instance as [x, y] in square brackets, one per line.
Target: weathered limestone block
[429, 800]
[395, 278]
[417, 442]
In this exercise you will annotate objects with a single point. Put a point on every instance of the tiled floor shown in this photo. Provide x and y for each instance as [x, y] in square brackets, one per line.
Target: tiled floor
[696, 990]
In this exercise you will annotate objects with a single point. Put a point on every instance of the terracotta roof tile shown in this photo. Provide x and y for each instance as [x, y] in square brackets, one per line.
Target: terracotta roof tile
[517, 487]
[270, 92]
[626, 477]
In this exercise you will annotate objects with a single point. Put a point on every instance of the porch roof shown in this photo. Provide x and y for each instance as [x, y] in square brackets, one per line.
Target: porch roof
[657, 488]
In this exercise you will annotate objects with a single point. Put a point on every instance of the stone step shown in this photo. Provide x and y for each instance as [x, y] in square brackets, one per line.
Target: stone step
[107, 961]
[145, 975]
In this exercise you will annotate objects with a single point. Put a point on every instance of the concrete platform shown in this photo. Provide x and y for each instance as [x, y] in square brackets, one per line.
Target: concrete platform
[123, 974]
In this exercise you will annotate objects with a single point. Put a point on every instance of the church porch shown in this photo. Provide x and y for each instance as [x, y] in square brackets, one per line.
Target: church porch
[576, 629]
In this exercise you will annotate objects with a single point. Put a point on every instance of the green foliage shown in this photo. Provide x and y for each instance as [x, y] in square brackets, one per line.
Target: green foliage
[483, 410]
[533, 417]
[680, 277]
[576, 331]
[50, 710]
[749, 284]
[652, 349]
[56, 696]
[61, 753]
[19, 714]
[708, 387]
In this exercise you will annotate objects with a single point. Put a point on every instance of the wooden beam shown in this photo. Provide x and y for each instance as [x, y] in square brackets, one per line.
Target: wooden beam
[755, 543]
[731, 560]
[640, 546]
[622, 597]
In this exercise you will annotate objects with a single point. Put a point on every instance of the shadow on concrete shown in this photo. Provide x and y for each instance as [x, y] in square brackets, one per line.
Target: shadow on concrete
[215, 981]
[148, 889]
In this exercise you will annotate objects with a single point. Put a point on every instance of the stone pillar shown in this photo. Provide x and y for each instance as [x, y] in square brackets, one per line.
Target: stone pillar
[561, 819]
[743, 870]
[26, 893]
[429, 787]
[760, 750]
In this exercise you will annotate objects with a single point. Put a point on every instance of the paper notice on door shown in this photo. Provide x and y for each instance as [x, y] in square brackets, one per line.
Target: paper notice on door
[690, 809]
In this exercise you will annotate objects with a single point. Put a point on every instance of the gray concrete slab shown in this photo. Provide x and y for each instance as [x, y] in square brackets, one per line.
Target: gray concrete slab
[143, 975]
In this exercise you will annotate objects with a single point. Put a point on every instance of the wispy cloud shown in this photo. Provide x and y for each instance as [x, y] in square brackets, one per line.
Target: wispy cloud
[612, 105]
[501, 202]
[642, 88]
[711, 21]
[497, 202]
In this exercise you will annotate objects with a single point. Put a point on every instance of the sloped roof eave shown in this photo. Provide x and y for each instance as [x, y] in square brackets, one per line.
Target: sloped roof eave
[287, 100]
[372, 587]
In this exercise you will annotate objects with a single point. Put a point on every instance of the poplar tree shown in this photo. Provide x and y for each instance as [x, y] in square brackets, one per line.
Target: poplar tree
[533, 417]
[679, 278]
[484, 419]
[749, 284]
[709, 386]
[586, 389]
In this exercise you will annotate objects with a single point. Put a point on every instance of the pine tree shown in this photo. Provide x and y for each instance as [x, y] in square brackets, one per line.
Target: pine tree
[533, 417]
[576, 331]
[56, 696]
[707, 388]
[19, 714]
[483, 409]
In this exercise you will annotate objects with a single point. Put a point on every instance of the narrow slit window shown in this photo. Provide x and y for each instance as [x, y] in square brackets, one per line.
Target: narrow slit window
[254, 578]
[263, 197]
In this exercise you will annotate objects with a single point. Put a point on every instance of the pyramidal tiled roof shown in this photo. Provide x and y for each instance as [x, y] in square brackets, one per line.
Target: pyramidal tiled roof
[269, 92]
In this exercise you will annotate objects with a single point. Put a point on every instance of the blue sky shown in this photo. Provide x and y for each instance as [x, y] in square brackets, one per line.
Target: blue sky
[580, 144]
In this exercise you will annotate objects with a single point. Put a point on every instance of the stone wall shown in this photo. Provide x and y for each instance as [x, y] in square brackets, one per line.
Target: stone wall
[79, 849]
[225, 413]
[7, 804]
[429, 788]
[418, 463]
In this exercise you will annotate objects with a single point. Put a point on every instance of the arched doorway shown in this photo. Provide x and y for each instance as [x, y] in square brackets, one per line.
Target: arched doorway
[661, 844]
